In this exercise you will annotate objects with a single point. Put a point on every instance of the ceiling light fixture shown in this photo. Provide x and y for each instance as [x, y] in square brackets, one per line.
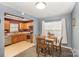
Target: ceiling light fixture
[40, 5]
[22, 13]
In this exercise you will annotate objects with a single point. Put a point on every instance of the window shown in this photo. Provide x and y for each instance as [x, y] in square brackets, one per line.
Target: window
[13, 27]
[56, 27]
[53, 27]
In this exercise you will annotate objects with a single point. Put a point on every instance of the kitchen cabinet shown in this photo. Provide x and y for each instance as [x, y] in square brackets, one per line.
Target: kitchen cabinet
[23, 26]
[7, 25]
[15, 38]
[18, 37]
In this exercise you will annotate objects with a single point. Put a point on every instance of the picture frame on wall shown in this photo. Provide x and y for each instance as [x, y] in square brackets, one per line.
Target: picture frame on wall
[73, 22]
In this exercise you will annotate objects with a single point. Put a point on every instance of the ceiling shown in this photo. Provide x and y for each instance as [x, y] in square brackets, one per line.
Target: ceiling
[52, 8]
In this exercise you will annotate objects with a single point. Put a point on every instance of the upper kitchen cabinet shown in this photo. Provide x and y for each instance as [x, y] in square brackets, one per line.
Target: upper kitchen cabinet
[29, 24]
[26, 26]
[23, 26]
[6, 25]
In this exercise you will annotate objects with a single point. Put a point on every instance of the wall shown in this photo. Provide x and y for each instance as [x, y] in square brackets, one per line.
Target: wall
[69, 30]
[1, 32]
[75, 30]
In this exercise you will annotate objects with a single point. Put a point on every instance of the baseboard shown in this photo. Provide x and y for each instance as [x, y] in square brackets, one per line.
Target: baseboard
[75, 52]
[70, 49]
[67, 47]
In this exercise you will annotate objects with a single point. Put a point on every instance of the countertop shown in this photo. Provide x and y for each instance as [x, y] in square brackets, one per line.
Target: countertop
[15, 33]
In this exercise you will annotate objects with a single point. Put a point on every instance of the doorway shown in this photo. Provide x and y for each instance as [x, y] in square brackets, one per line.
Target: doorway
[18, 34]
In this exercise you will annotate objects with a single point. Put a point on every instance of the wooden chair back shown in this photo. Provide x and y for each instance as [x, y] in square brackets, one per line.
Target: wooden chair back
[40, 40]
[41, 45]
[60, 41]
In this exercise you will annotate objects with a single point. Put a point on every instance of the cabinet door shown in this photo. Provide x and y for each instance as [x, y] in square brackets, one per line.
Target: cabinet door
[7, 24]
[14, 39]
[21, 37]
[23, 26]
[24, 36]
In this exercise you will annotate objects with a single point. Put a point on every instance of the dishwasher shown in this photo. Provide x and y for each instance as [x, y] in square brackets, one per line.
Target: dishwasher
[8, 40]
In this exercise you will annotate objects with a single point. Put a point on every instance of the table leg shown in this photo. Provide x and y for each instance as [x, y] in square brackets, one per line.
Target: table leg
[52, 49]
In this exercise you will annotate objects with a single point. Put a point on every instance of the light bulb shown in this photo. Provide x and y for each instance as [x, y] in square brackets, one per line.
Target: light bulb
[40, 5]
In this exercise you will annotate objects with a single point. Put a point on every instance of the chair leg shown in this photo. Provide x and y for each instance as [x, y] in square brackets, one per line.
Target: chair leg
[60, 52]
[52, 50]
[45, 52]
[38, 53]
[56, 48]
[36, 50]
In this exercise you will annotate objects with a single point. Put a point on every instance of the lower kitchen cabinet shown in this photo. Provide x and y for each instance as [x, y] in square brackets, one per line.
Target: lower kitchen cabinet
[18, 37]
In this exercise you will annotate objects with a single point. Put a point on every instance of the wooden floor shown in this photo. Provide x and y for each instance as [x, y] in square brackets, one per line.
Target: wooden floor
[31, 52]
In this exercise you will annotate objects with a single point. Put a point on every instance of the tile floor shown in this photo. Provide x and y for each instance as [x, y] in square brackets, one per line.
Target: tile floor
[17, 48]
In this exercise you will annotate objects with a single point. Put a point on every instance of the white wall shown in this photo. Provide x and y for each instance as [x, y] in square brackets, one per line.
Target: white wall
[1, 32]
[75, 30]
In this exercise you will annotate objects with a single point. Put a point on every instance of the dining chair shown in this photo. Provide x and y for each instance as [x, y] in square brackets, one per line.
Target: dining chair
[41, 45]
[50, 35]
[57, 46]
[50, 44]
[37, 43]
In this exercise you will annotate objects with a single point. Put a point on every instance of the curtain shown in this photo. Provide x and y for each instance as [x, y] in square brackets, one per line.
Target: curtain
[63, 31]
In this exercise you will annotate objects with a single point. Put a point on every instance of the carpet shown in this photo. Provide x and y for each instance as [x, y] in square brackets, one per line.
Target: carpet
[31, 52]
